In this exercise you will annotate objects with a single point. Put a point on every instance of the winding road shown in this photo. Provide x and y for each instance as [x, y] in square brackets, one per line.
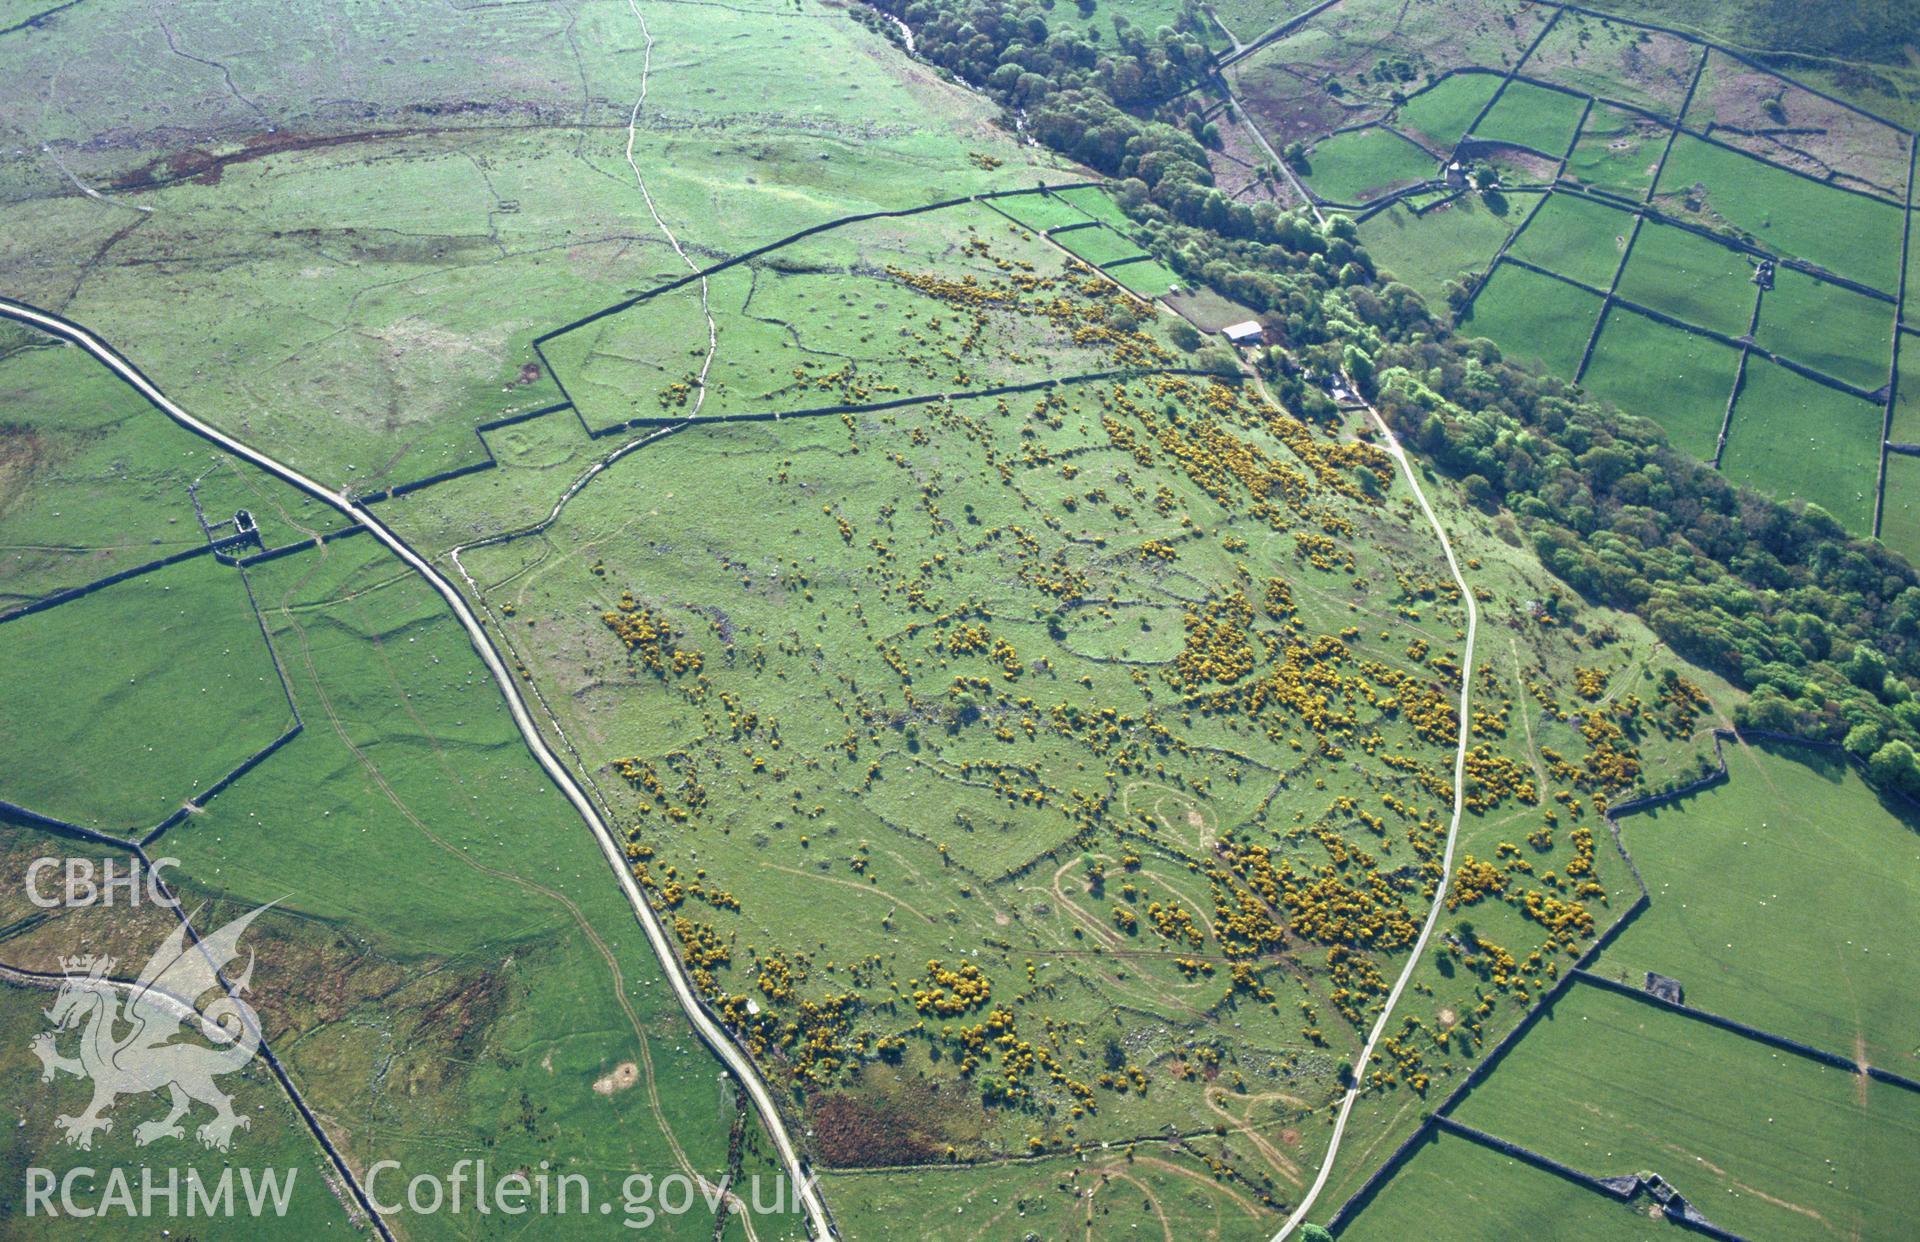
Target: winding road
[731, 1054]
[1399, 455]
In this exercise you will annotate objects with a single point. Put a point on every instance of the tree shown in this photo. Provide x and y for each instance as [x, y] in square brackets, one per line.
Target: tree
[1314, 1233]
[1217, 359]
[1867, 669]
[1865, 739]
[1359, 366]
[1894, 766]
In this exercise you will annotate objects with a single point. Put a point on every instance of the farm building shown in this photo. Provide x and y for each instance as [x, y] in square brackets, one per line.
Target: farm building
[1248, 333]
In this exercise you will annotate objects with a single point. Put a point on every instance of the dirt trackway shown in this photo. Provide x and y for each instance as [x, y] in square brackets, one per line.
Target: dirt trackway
[1399, 455]
[710, 1030]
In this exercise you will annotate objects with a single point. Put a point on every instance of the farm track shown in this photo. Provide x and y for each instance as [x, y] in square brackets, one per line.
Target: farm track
[1399, 455]
[709, 1029]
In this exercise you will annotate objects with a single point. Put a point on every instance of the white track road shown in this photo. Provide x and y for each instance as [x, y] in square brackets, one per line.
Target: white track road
[715, 1036]
[1399, 454]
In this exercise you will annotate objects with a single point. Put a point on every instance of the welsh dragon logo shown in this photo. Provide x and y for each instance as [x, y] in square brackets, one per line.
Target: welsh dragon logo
[136, 1037]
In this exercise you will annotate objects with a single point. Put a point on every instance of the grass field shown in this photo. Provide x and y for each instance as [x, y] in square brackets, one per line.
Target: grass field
[1782, 899]
[1455, 1190]
[1900, 508]
[1534, 117]
[276, 1141]
[93, 480]
[1536, 320]
[1441, 114]
[1799, 440]
[1618, 152]
[449, 965]
[1364, 164]
[1576, 237]
[454, 228]
[838, 319]
[1099, 204]
[1832, 329]
[839, 745]
[1690, 277]
[1678, 379]
[1041, 212]
[1284, 84]
[1747, 108]
[1207, 309]
[981, 868]
[1150, 278]
[1906, 394]
[1428, 252]
[1148, 1190]
[1849, 234]
[1098, 245]
[1597, 57]
[117, 745]
[1762, 29]
[1765, 1143]
[1913, 269]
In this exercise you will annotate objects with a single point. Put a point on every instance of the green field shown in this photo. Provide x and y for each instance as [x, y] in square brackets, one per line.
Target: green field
[886, 793]
[1150, 278]
[1149, 1189]
[1906, 392]
[1900, 507]
[1691, 278]
[1782, 899]
[1848, 234]
[1618, 152]
[448, 942]
[1746, 107]
[1428, 252]
[1678, 379]
[1207, 309]
[93, 480]
[275, 1140]
[118, 745]
[377, 353]
[1284, 84]
[1536, 320]
[1041, 212]
[1098, 245]
[842, 318]
[1597, 57]
[851, 745]
[1800, 440]
[1912, 317]
[1099, 204]
[1444, 112]
[1454, 1190]
[1363, 164]
[1534, 117]
[1576, 237]
[1832, 329]
[1765, 1143]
